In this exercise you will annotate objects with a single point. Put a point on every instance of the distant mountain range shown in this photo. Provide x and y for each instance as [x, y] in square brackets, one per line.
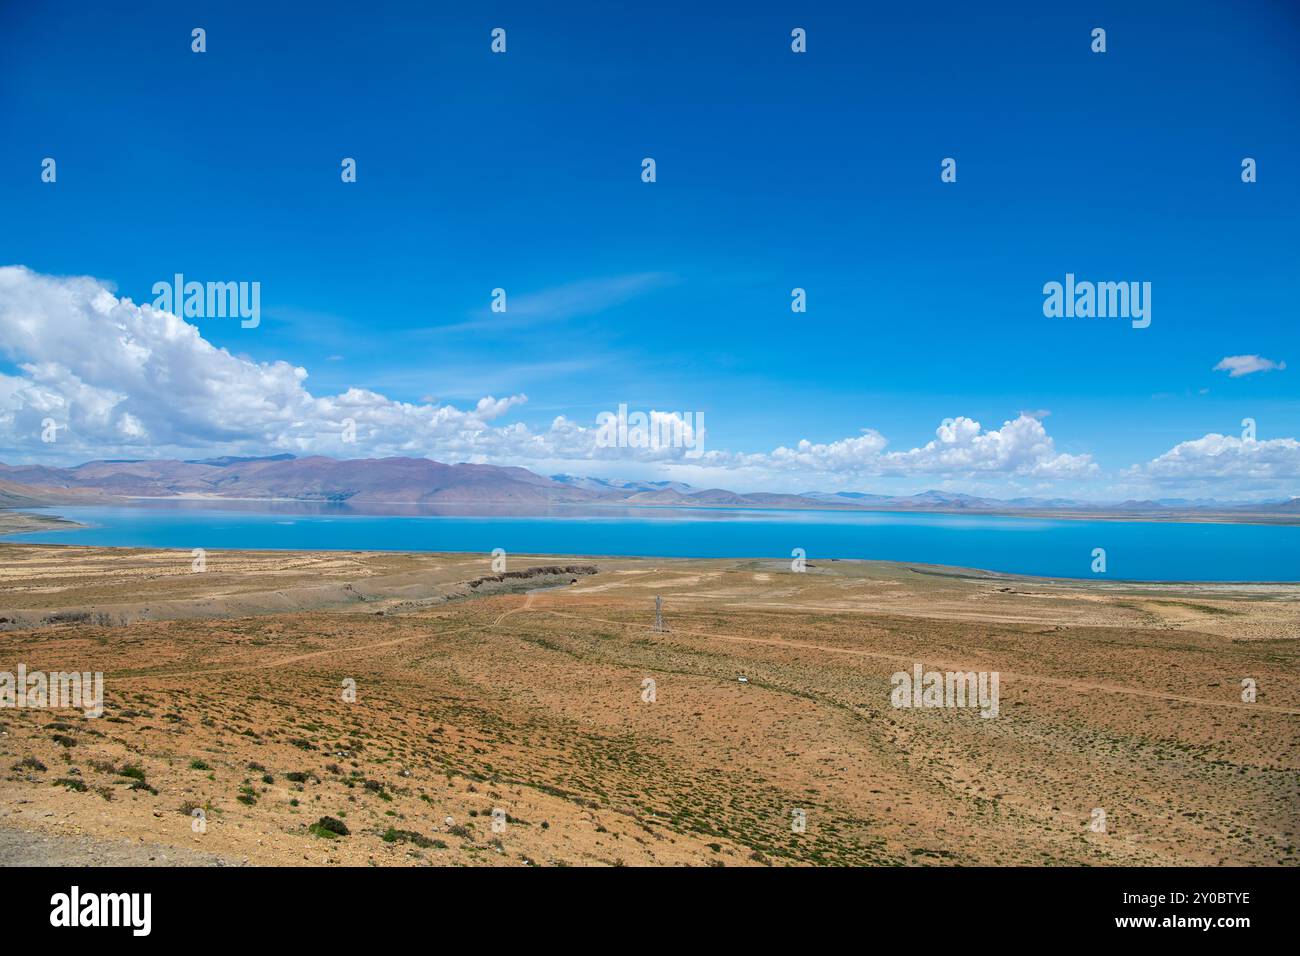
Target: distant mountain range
[417, 481]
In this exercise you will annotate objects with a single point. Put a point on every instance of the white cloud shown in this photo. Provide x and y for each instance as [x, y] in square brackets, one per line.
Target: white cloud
[569, 301]
[1238, 365]
[586, 296]
[119, 377]
[1224, 456]
[961, 448]
[131, 381]
[844, 456]
[1020, 447]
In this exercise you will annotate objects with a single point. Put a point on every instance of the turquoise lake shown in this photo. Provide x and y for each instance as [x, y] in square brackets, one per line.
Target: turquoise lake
[1135, 550]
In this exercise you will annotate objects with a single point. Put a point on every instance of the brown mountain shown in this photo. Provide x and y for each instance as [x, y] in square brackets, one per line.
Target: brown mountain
[362, 481]
[419, 481]
[14, 495]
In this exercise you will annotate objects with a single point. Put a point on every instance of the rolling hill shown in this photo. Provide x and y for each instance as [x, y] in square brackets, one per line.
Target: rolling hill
[421, 481]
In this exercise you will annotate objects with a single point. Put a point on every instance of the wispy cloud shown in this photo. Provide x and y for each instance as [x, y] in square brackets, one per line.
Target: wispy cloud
[1238, 365]
[560, 303]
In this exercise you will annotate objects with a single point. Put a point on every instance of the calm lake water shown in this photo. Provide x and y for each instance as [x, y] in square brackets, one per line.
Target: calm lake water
[1147, 551]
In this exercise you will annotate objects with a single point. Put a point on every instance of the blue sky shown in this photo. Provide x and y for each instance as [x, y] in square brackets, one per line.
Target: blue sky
[774, 170]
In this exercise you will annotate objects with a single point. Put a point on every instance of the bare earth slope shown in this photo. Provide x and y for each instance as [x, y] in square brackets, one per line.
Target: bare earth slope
[225, 693]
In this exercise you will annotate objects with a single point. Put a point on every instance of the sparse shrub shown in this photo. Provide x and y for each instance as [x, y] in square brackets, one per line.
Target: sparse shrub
[137, 777]
[392, 835]
[377, 788]
[330, 826]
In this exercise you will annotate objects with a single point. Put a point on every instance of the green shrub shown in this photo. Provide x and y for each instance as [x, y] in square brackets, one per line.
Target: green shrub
[328, 828]
[393, 835]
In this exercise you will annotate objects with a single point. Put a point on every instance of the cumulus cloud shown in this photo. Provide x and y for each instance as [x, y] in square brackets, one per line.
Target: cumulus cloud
[127, 380]
[1238, 365]
[962, 448]
[1020, 447]
[1225, 456]
[845, 456]
[115, 375]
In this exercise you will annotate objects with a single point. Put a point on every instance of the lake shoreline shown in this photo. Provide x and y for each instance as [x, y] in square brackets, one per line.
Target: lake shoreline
[23, 522]
[1112, 585]
[1048, 548]
[452, 577]
[469, 510]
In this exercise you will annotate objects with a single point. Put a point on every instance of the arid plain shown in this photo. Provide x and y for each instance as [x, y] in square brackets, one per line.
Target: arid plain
[227, 692]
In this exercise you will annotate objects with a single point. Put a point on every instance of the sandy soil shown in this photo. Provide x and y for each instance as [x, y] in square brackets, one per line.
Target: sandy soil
[225, 693]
